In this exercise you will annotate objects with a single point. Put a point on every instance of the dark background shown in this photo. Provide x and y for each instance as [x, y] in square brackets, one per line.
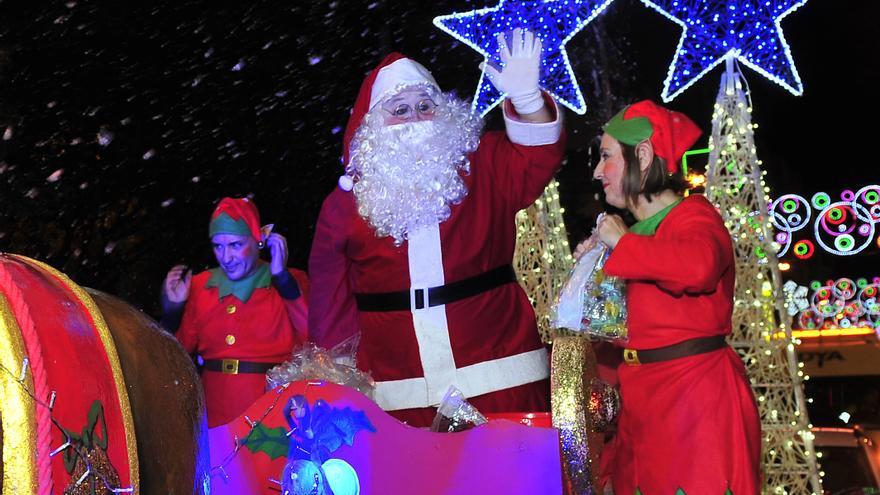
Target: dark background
[201, 100]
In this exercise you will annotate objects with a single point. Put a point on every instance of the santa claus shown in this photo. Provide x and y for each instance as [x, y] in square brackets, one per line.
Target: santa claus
[413, 250]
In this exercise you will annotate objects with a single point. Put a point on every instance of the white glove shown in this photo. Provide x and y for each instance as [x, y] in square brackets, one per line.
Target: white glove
[520, 73]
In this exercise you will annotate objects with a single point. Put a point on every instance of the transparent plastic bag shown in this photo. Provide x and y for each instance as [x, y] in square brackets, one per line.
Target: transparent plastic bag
[590, 302]
[336, 365]
[455, 413]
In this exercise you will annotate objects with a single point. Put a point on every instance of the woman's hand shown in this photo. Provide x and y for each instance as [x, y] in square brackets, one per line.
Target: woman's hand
[610, 229]
[584, 246]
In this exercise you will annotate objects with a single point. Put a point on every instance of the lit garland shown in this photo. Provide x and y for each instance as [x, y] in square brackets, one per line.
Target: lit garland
[844, 227]
[555, 22]
[713, 31]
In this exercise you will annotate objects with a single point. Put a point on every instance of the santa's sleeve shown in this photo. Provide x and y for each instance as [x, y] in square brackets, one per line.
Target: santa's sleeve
[690, 259]
[525, 157]
[332, 309]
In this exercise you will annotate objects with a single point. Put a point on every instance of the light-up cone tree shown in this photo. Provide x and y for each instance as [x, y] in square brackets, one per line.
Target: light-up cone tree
[543, 257]
[761, 333]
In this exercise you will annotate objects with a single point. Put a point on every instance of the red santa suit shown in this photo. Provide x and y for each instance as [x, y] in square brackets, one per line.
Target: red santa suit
[689, 423]
[265, 329]
[487, 344]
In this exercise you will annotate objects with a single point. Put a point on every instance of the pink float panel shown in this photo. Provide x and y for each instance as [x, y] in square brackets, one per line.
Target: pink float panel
[498, 457]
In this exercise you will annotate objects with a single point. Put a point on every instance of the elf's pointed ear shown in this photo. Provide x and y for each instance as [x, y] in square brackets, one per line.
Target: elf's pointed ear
[645, 154]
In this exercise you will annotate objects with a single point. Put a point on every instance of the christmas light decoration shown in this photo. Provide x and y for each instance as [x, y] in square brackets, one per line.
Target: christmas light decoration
[712, 31]
[555, 22]
[763, 340]
[845, 227]
[542, 258]
[841, 304]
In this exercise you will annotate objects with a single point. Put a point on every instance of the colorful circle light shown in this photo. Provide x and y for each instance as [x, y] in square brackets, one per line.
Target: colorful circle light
[835, 216]
[821, 200]
[803, 249]
[842, 303]
[845, 227]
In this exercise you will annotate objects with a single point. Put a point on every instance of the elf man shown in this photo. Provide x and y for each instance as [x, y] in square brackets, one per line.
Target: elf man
[243, 317]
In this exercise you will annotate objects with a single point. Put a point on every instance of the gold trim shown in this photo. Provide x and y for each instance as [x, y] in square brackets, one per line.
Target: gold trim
[19, 412]
[572, 368]
[631, 357]
[112, 357]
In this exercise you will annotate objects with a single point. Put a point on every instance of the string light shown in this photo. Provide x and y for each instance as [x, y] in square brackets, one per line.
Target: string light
[713, 31]
[555, 22]
[68, 443]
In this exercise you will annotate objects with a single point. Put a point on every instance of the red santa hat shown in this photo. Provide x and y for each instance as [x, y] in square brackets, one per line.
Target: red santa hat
[393, 74]
[238, 216]
[671, 133]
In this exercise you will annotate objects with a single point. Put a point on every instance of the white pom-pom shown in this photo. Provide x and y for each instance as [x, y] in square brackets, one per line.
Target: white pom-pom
[345, 183]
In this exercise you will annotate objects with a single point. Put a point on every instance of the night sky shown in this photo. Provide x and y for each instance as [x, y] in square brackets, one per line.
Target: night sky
[124, 122]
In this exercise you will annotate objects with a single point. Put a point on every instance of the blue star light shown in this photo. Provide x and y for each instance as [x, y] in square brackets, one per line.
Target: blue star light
[554, 21]
[713, 31]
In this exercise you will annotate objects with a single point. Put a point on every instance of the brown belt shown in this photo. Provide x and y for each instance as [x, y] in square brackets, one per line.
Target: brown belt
[235, 366]
[689, 347]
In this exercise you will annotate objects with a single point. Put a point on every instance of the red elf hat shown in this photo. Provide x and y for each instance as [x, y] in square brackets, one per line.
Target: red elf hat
[671, 133]
[237, 216]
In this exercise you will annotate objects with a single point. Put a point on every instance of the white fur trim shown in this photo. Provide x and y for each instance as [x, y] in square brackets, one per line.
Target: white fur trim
[529, 134]
[474, 380]
[431, 327]
[435, 349]
[394, 76]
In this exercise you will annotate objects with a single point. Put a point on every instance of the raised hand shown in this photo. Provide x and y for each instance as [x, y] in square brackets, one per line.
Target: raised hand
[277, 245]
[177, 284]
[521, 71]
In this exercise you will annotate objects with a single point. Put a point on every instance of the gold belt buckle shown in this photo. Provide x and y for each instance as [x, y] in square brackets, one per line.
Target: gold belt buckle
[229, 366]
[631, 357]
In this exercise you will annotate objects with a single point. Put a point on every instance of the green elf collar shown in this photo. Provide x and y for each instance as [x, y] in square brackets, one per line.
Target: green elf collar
[649, 225]
[242, 289]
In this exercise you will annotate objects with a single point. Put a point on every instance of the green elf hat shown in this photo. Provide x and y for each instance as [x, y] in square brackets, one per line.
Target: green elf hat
[671, 133]
[238, 216]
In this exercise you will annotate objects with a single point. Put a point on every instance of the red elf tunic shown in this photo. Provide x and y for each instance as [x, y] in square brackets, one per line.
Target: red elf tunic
[690, 423]
[265, 329]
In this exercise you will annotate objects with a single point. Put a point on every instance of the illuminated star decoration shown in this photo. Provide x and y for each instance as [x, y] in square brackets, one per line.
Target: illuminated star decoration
[553, 21]
[715, 30]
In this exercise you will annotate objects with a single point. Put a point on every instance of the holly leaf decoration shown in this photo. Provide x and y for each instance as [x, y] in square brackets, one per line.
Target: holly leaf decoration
[333, 426]
[272, 441]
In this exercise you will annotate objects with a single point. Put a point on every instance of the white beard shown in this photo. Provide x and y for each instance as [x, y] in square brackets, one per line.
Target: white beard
[408, 175]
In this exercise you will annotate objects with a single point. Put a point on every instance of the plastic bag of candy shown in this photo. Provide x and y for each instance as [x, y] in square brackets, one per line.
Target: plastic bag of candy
[455, 413]
[591, 302]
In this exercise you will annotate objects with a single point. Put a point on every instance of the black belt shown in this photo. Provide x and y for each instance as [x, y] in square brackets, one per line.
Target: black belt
[405, 300]
[235, 366]
[689, 347]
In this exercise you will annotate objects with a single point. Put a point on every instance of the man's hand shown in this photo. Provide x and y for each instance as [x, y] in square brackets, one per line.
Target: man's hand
[521, 71]
[177, 284]
[610, 229]
[277, 245]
